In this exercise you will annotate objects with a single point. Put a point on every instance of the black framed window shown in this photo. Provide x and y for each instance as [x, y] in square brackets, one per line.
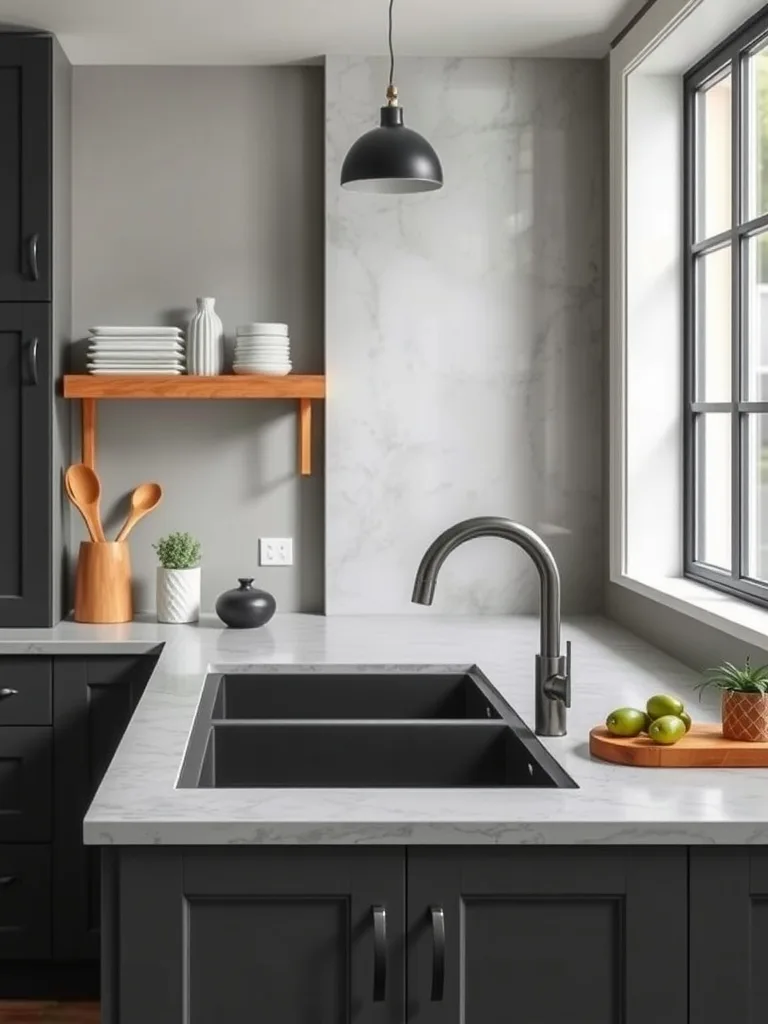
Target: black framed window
[726, 315]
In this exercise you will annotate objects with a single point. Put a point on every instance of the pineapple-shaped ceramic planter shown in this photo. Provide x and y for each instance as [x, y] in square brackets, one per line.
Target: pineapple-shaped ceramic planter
[745, 716]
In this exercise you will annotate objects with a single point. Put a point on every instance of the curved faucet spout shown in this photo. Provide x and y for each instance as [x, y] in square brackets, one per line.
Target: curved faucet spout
[530, 542]
[552, 670]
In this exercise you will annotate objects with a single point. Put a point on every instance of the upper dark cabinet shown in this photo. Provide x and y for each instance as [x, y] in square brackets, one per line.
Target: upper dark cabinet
[25, 167]
[35, 326]
[26, 507]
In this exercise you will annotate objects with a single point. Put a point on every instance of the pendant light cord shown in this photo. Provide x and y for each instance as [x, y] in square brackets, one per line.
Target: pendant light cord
[391, 48]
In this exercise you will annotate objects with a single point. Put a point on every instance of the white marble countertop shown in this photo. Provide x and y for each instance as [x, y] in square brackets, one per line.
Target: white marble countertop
[138, 802]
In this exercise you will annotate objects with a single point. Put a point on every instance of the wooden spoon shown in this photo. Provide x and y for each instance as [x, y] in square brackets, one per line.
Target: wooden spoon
[143, 500]
[84, 491]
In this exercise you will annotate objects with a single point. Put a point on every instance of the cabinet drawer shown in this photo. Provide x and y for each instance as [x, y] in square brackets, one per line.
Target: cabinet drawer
[25, 902]
[25, 691]
[25, 783]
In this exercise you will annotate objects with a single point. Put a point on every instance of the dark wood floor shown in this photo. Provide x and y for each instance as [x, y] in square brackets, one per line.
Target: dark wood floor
[48, 1013]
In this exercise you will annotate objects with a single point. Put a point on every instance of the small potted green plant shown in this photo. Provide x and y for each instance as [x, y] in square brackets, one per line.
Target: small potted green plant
[744, 700]
[178, 578]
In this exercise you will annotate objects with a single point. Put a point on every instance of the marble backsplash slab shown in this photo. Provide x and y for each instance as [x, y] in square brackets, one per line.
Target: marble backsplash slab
[464, 334]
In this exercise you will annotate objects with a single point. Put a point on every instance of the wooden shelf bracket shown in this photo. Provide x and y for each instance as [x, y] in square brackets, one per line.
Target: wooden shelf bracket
[88, 418]
[305, 437]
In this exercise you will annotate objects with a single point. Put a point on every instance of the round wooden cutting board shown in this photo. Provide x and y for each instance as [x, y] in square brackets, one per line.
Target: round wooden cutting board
[703, 747]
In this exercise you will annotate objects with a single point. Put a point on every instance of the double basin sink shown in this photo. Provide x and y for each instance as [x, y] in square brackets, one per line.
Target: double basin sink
[357, 728]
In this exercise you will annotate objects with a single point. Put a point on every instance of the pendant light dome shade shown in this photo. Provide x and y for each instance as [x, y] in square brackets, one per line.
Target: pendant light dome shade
[391, 159]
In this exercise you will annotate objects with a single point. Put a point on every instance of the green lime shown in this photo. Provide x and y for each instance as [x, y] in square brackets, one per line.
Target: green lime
[686, 720]
[626, 722]
[667, 729]
[663, 704]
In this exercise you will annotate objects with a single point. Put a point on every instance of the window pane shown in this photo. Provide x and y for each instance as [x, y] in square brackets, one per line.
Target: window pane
[757, 135]
[713, 489]
[713, 326]
[756, 290]
[713, 158]
[757, 496]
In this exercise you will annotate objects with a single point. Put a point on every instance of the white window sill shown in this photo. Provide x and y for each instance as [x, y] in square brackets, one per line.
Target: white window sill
[739, 619]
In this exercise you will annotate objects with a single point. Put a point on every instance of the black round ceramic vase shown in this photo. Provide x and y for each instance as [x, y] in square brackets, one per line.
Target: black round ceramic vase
[246, 607]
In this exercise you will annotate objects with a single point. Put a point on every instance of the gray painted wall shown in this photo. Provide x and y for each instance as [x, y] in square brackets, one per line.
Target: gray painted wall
[464, 334]
[205, 181]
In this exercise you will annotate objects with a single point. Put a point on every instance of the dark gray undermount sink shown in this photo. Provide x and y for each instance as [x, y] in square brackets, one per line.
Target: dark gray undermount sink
[362, 729]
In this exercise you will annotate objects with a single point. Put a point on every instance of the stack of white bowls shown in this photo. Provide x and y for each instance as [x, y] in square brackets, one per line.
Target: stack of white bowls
[262, 348]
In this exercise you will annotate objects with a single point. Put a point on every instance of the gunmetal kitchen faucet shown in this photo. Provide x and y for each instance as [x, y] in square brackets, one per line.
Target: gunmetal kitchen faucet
[553, 670]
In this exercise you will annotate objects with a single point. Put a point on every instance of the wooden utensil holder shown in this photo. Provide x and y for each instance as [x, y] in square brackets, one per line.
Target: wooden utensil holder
[103, 583]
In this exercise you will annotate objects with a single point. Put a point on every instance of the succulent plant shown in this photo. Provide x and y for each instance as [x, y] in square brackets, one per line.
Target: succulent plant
[178, 551]
[738, 680]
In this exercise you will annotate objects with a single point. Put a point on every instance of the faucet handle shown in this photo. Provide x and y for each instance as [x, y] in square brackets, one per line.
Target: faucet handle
[558, 685]
[567, 673]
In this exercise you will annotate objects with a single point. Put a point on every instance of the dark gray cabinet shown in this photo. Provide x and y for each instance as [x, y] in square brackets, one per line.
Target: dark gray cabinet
[93, 700]
[553, 935]
[729, 934]
[35, 325]
[25, 902]
[61, 720]
[25, 784]
[25, 690]
[274, 934]
[25, 169]
[25, 464]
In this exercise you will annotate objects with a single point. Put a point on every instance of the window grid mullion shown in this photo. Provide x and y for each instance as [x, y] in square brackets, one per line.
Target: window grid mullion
[733, 234]
[690, 360]
[738, 505]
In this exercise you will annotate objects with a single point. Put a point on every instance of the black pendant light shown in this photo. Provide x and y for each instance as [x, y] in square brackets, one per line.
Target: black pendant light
[392, 158]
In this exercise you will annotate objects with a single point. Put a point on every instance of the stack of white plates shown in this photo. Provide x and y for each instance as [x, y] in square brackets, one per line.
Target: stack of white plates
[263, 348]
[136, 350]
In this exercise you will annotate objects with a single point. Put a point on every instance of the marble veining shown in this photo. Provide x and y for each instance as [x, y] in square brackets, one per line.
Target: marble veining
[138, 803]
[464, 334]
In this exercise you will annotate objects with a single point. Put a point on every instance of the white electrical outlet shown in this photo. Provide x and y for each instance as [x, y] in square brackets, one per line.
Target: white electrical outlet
[276, 551]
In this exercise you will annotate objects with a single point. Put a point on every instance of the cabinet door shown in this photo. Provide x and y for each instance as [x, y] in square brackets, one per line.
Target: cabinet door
[25, 168]
[93, 700]
[551, 935]
[729, 935]
[25, 465]
[25, 783]
[288, 935]
[25, 902]
[25, 690]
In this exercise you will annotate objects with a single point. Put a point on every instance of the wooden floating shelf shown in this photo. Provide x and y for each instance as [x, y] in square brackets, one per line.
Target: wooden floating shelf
[92, 388]
[231, 386]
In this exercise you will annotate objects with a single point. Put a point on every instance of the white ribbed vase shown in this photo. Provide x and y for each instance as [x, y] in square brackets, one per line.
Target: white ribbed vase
[178, 595]
[205, 341]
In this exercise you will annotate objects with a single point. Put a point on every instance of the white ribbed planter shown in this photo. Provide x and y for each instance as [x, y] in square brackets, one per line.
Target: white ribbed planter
[178, 595]
[205, 341]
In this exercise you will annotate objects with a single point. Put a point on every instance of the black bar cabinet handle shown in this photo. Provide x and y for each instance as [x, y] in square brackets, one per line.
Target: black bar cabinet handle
[379, 954]
[7, 880]
[438, 953]
[7, 691]
[34, 270]
[31, 353]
